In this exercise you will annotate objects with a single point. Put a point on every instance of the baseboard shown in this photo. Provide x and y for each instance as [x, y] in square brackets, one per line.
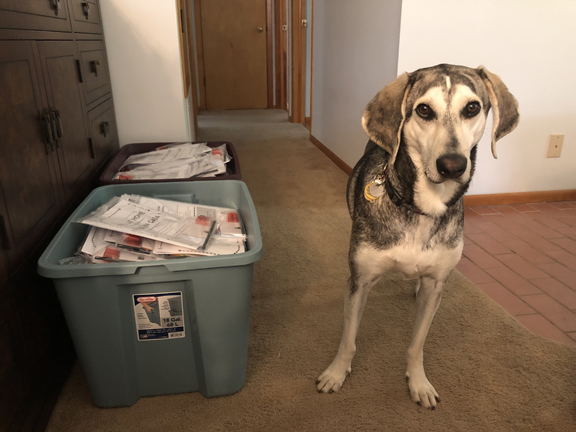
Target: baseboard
[476, 200]
[339, 162]
[520, 198]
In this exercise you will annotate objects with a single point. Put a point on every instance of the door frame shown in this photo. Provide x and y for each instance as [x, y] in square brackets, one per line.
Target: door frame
[200, 54]
[298, 33]
[185, 29]
[281, 53]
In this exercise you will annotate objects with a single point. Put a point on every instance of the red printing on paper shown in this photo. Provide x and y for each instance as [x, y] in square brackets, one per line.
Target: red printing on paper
[132, 240]
[111, 253]
[203, 220]
[146, 299]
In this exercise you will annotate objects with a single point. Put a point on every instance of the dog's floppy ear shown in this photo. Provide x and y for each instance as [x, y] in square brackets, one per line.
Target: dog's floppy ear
[505, 112]
[384, 116]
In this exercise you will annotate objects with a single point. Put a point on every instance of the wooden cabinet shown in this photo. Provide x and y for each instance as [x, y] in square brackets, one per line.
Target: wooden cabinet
[61, 71]
[28, 166]
[57, 130]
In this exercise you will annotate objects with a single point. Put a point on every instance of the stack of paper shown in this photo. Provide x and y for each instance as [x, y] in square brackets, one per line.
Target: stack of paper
[175, 161]
[138, 228]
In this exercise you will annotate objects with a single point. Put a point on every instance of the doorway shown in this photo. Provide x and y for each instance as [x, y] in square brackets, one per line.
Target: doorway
[254, 54]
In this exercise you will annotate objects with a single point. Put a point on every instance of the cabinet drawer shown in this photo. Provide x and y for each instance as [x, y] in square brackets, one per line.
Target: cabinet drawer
[85, 16]
[103, 129]
[34, 15]
[94, 70]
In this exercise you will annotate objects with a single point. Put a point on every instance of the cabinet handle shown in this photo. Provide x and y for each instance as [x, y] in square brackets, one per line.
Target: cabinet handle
[86, 9]
[4, 239]
[79, 69]
[94, 64]
[104, 128]
[56, 6]
[91, 145]
[58, 122]
[48, 136]
[54, 128]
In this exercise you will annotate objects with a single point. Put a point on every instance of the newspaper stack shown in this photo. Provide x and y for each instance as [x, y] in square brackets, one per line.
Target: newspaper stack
[138, 228]
[175, 161]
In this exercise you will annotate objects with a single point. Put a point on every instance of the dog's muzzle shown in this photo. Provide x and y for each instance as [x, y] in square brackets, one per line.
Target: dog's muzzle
[451, 166]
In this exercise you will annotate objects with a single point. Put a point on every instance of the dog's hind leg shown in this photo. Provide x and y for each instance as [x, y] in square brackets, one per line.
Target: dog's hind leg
[427, 302]
[359, 286]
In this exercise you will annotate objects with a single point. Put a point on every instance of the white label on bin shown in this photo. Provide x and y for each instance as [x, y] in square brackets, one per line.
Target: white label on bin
[159, 316]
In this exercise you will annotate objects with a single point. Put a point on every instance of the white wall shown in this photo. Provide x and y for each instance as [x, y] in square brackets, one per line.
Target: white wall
[143, 48]
[530, 44]
[355, 55]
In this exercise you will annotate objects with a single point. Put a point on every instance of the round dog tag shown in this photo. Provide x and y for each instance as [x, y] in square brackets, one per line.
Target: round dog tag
[374, 190]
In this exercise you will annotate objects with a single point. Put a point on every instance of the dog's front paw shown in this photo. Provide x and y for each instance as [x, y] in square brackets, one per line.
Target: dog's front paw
[421, 391]
[331, 379]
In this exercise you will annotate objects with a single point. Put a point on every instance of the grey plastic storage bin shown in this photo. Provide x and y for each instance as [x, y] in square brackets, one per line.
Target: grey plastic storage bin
[101, 303]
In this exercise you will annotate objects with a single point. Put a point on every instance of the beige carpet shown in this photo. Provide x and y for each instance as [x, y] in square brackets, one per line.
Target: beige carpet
[491, 373]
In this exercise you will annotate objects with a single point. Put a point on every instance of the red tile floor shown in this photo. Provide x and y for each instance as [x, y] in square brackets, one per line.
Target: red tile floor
[524, 257]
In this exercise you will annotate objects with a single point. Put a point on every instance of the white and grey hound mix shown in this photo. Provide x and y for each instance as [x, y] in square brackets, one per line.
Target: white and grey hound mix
[405, 197]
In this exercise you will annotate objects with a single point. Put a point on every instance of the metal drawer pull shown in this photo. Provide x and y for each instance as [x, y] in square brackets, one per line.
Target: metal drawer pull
[48, 136]
[104, 128]
[56, 6]
[91, 147]
[4, 239]
[86, 9]
[94, 65]
[52, 119]
[79, 68]
[58, 123]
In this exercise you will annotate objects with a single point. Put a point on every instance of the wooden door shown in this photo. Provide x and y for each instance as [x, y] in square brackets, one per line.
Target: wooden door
[28, 179]
[62, 75]
[234, 47]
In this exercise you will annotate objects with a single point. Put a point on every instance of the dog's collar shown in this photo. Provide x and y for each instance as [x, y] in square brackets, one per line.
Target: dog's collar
[373, 191]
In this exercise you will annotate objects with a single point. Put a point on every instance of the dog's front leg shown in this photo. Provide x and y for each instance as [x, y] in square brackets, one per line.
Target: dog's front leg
[427, 301]
[333, 377]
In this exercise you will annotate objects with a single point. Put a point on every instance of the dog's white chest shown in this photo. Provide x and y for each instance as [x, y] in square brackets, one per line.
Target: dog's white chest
[411, 259]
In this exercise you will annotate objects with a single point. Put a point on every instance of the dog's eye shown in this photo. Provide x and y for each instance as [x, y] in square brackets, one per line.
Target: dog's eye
[471, 109]
[424, 111]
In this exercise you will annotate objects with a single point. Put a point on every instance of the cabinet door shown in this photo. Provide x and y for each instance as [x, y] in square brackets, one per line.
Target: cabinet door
[34, 15]
[60, 64]
[85, 16]
[29, 189]
[104, 133]
[94, 70]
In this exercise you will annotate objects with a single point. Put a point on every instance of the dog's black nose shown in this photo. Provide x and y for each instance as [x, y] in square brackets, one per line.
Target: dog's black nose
[451, 166]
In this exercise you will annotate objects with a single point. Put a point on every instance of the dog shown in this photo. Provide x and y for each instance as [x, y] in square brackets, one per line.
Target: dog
[405, 197]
